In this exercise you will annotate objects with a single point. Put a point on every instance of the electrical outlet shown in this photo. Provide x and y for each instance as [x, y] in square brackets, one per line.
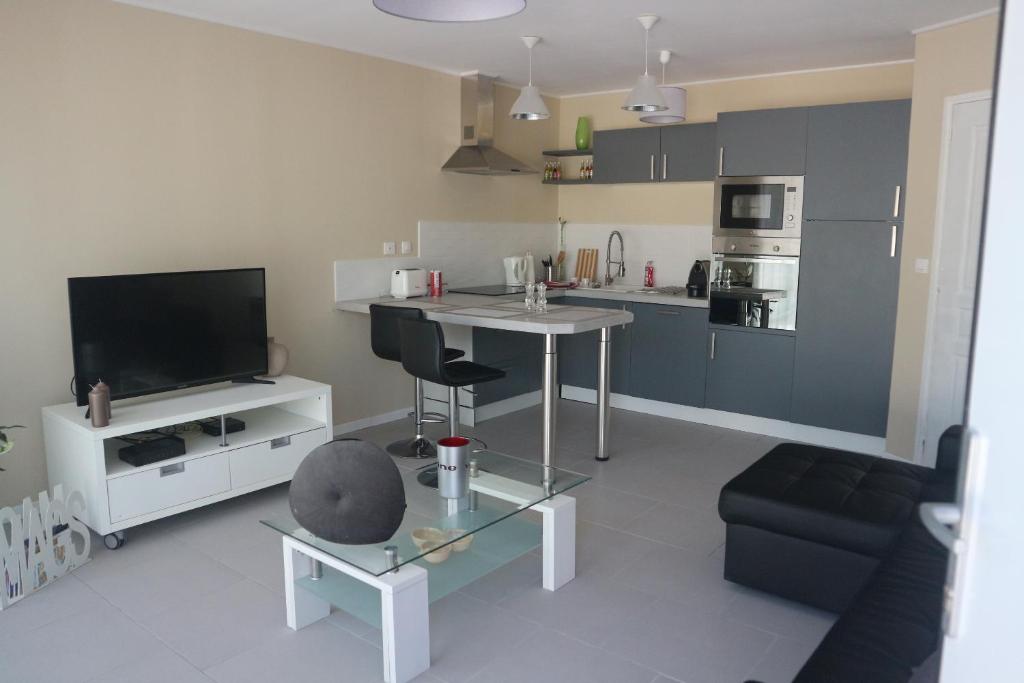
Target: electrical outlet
[406, 247]
[389, 248]
[921, 265]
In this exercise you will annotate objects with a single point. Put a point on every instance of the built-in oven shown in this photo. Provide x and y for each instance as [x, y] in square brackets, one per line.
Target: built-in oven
[759, 206]
[754, 282]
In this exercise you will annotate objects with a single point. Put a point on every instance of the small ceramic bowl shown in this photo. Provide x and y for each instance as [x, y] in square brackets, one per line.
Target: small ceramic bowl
[438, 556]
[427, 534]
[463, 543]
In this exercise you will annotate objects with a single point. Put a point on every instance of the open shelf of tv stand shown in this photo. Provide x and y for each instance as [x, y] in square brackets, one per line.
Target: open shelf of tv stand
[283, 422]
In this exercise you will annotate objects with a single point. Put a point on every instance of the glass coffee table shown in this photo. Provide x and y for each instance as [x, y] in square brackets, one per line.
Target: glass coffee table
[391, 584]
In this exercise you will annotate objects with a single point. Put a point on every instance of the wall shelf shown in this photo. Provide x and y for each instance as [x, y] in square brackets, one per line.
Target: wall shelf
[568, 152]
[568, 181]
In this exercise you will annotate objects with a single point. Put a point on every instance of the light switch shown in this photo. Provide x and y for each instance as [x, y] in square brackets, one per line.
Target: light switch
[921, 265]
[389, 248]
[406, 247]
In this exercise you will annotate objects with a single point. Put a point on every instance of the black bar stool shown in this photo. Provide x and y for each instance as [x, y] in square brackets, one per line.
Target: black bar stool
[423, 357]
[385, 340]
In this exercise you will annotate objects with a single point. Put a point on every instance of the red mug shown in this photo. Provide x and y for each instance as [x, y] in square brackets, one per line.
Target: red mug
[434, 284]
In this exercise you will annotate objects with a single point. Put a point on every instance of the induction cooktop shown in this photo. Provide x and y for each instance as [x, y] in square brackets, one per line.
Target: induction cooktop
[489, 290]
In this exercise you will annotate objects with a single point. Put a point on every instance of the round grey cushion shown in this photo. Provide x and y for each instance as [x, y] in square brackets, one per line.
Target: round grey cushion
[348, 491]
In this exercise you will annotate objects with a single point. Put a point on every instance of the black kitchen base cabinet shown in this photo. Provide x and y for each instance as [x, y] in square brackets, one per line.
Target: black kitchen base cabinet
[519, 354]
[750, 372]
[667, 356]
[577, 353]
[849, 280]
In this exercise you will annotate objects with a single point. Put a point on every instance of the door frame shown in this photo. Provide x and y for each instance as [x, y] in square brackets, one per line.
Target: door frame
[949, 105]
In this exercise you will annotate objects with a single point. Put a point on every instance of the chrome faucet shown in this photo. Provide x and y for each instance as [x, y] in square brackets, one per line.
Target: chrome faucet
[608, 279]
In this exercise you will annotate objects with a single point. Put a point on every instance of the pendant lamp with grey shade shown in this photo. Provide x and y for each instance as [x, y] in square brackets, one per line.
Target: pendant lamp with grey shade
[451, 10]
[675, 98]
[530, 105]
[645, 95]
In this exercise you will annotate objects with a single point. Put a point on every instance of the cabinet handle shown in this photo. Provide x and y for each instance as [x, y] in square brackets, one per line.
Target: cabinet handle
[713, 335]
[896, 202]
[624, 307]
[652, 167]
[168, 470]
[892, 244]
[663, 312]
[721, 160]
[664, 166]
[280, 442]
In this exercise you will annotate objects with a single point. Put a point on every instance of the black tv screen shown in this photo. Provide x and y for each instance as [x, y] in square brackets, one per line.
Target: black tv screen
[142, 334]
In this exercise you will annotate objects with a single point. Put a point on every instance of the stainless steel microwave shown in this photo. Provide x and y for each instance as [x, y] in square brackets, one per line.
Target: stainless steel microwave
[761, 206]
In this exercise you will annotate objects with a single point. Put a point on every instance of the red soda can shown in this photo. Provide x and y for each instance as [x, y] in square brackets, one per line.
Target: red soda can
[434, 284]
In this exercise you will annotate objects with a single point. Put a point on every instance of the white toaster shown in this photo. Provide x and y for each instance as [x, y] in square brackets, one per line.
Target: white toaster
[407, 282]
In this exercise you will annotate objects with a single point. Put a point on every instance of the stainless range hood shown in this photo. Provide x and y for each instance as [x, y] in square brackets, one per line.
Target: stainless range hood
[477, 155]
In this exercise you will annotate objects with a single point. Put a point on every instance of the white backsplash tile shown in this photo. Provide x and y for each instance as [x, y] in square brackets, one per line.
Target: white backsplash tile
[673, 248]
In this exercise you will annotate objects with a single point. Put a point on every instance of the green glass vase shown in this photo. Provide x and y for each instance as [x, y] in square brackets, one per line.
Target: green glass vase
[582, 133]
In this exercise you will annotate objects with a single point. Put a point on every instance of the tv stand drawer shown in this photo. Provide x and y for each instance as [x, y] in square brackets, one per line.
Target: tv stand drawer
[164, 487]
[272, 459]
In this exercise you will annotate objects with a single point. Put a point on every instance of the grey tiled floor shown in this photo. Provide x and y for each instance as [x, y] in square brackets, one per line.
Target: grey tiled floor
[199, 597]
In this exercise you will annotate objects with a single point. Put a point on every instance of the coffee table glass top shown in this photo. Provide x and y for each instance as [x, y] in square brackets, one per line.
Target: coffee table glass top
[505, 486]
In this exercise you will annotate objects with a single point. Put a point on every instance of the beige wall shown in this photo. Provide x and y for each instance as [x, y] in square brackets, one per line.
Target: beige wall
[135, 141]
[951, 61]
[691, 203]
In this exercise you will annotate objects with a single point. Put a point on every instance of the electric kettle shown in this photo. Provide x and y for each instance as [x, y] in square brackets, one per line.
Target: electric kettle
[515, 270]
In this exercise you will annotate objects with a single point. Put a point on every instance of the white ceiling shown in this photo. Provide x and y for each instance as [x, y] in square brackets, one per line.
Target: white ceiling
[596, 45]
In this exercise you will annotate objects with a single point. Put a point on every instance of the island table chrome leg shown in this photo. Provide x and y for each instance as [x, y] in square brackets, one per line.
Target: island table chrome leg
[603, 391]
[550, 402]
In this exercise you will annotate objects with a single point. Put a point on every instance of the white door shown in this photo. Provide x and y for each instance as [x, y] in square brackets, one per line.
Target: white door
[965, 153]
[983, 640]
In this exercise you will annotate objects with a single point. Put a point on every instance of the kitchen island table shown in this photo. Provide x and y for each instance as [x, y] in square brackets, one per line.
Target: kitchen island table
[509, 313]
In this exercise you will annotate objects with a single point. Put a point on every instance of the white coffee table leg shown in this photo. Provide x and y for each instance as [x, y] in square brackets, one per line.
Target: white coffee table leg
[559, 540]
[405, 623]
[303, 608]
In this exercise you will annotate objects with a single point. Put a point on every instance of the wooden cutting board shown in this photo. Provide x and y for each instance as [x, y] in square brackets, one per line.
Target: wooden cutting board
[586, 264]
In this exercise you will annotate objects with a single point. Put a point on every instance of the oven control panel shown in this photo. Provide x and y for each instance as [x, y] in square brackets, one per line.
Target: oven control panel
[756, 246]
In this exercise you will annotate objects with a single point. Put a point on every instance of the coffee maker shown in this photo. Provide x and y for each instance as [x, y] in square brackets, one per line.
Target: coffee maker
[697, 285]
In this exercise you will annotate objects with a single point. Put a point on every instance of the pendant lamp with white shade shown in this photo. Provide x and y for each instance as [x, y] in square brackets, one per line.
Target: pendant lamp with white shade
[645, 95]
[530, 105]
[675, 98]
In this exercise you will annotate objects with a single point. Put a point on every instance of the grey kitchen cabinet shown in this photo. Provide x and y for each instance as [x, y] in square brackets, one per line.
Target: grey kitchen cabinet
[577, 353]
[688, 152]
[857, 161]
[762, 142]
[667, 358]
[630, 155]
[849, 279]
[750, 372]
[519, 354]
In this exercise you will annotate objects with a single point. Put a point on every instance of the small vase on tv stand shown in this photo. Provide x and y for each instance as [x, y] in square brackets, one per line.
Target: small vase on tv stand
[582, 133]
[277, 357]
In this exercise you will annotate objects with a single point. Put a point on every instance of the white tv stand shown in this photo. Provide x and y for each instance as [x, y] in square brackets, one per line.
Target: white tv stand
[283, 423]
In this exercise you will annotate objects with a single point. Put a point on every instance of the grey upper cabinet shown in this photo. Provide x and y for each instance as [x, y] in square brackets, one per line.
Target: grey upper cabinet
[577, 353]
[667, 360]
[857, 161]
[763, 142]
[849, 278]
[750, 372]
[630, 155]
[688, 152]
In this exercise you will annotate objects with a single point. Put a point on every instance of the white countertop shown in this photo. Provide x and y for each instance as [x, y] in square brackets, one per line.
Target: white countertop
[502, 313]
[635, 293]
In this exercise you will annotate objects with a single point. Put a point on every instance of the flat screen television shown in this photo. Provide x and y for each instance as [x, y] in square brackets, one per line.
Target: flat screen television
[143, 334]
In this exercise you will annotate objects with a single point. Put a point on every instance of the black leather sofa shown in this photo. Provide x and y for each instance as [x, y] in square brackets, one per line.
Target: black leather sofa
[840, 531]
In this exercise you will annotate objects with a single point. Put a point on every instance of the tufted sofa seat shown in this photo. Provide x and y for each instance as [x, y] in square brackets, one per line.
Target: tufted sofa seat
[812, 524]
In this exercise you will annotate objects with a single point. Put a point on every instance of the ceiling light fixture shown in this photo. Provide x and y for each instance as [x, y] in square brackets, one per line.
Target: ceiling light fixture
[675, 98]
[645, 95]
[530, 105]
[451, 10]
